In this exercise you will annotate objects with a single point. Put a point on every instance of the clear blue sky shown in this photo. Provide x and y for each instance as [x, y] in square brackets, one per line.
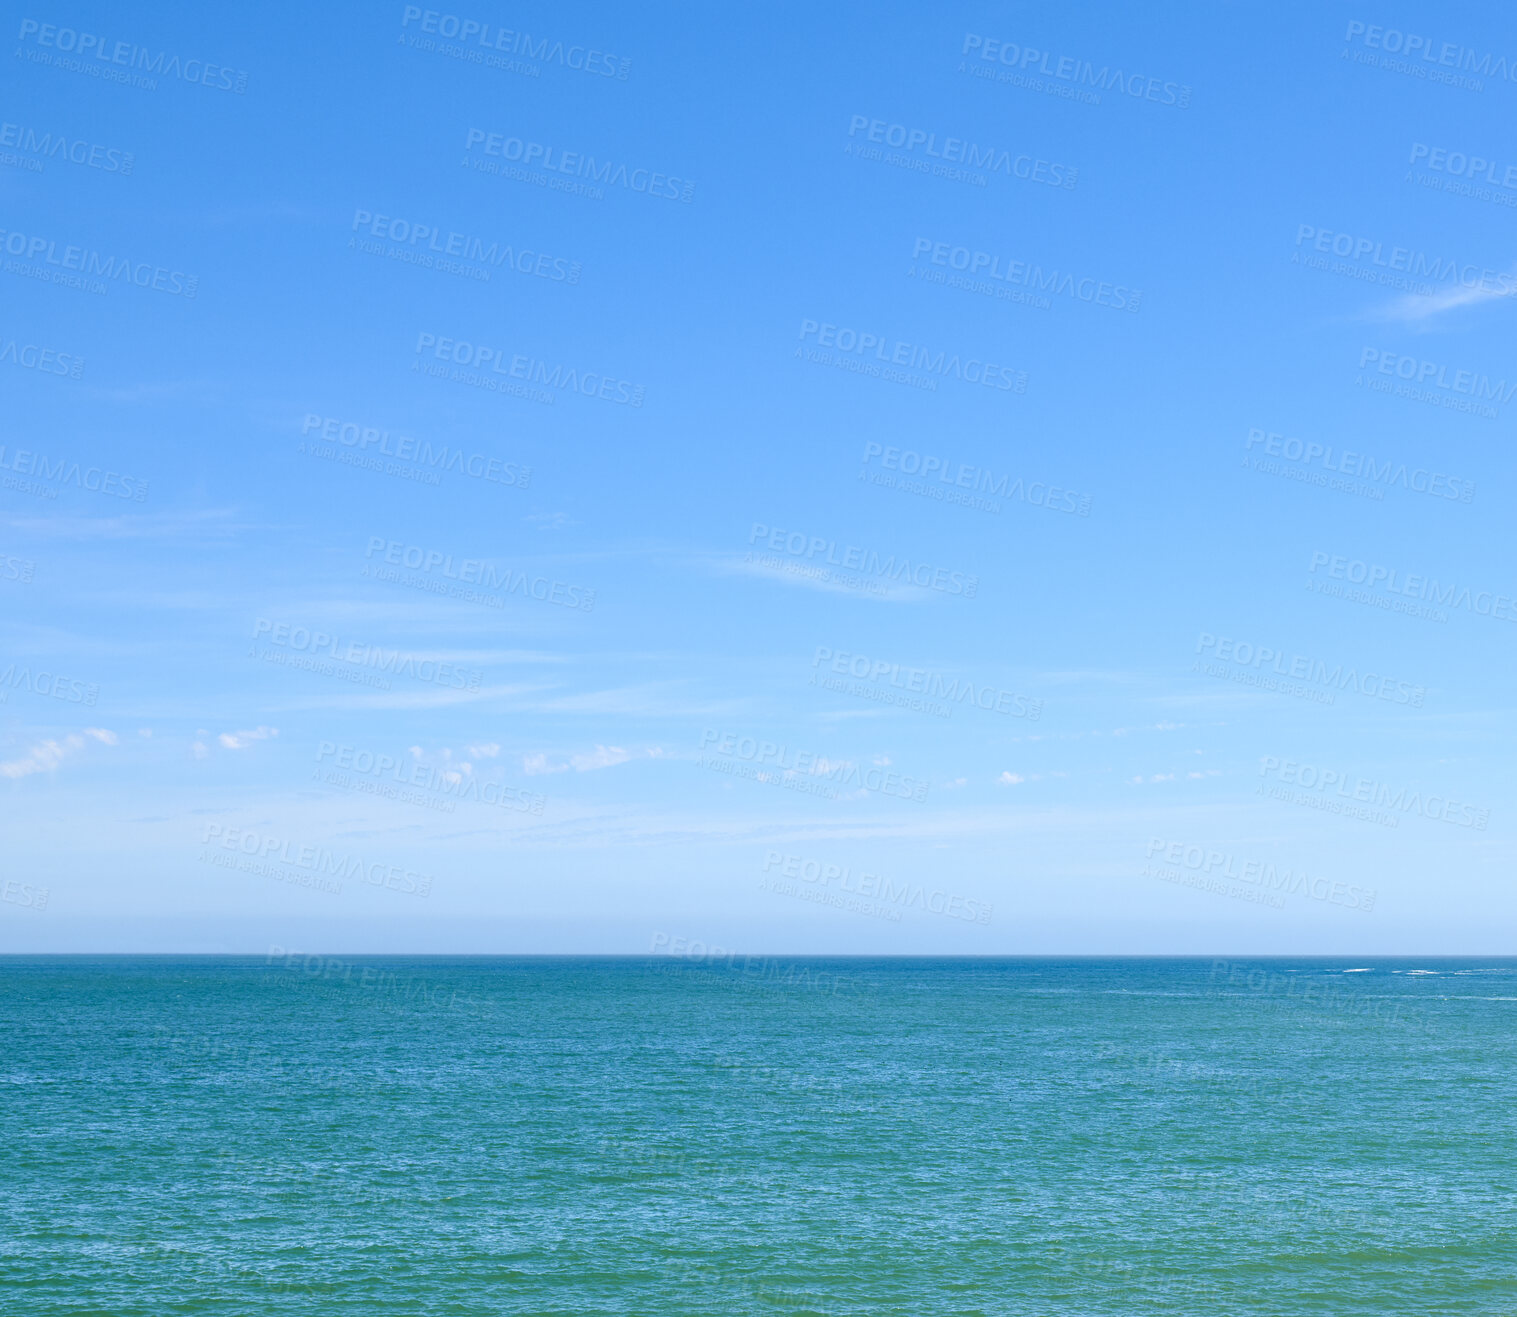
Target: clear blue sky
[836, 370]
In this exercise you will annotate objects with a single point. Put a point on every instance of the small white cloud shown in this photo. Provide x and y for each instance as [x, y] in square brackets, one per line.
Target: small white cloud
[603, 756]
[241, 740]
[1009, 779]
[199, 750]
[101, 735]
[489, 751]
[145, 731]
[882, 761]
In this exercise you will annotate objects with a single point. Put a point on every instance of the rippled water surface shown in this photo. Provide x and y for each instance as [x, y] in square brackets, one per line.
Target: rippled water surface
[482, 1136]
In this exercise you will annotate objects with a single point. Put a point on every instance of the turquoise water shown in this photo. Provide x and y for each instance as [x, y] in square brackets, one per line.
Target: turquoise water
[481, 1136]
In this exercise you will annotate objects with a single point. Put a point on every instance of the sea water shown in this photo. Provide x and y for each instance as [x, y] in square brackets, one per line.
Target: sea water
[747, 1134]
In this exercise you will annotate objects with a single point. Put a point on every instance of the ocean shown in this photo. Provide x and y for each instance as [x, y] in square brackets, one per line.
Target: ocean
[728, 1134]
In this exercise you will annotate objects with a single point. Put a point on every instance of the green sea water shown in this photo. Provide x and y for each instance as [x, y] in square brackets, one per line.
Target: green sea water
[745, 1135]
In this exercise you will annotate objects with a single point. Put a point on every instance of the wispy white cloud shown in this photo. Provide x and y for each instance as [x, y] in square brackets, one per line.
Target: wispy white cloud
[241, 740]
[812, 576]
[46, 756]
[198, 524]
[1415, 308]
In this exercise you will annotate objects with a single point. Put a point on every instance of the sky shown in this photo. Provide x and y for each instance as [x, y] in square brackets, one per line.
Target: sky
[1005, 479]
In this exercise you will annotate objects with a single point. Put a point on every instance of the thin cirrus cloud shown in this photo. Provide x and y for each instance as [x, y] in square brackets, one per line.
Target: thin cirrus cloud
[1415, 308]
[803, 574]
